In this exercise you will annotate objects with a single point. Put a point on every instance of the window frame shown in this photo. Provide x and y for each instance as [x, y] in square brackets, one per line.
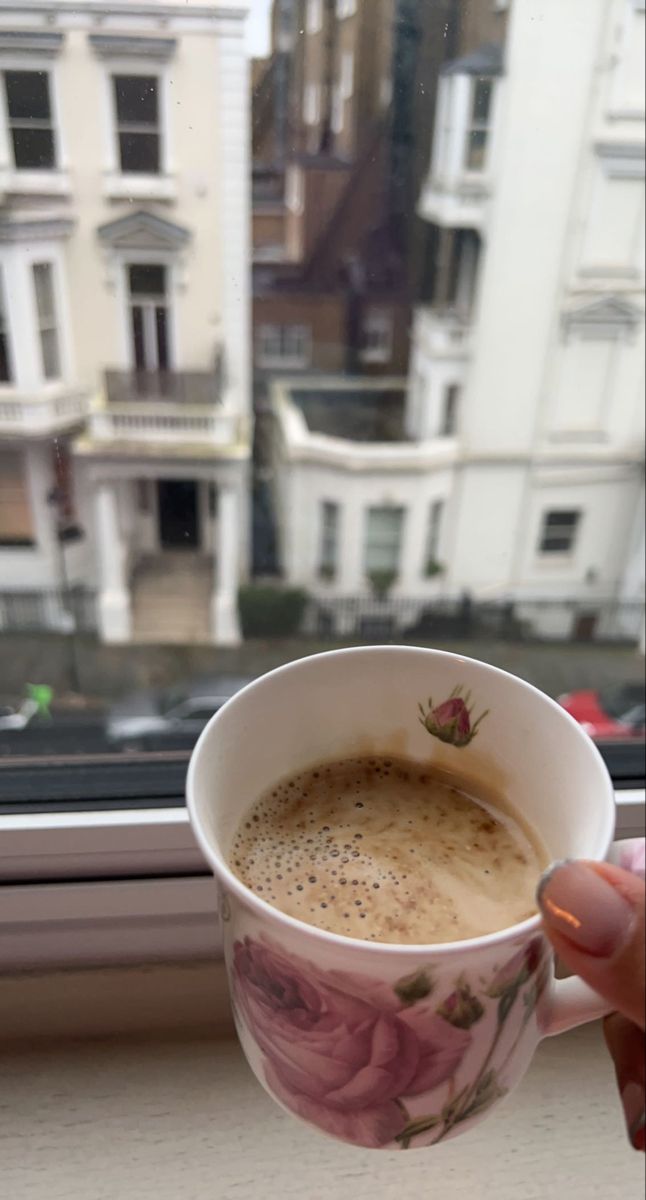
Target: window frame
[33, 181]
[6, 333]
[137, 185]
[312, 103]
[369, 546]
[314, 16]
[475, 125]
[434, 530]
[329, 540]
[544, 533]
[268, 359]
[129, 886]
[140, 127]
[450, 404]
[12, 123]
[346, 9]
[53, 325]
[383, 352]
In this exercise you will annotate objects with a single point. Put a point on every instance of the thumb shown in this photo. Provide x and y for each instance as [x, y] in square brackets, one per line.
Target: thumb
[593, 914]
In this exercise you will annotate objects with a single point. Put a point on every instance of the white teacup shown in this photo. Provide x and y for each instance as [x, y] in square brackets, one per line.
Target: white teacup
[381, 1045]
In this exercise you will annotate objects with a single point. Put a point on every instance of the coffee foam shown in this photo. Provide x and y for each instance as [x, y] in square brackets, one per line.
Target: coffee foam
[387, 850]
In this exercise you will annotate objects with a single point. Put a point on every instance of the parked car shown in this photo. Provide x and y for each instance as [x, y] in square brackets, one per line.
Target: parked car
[168, 718]
[610, 713]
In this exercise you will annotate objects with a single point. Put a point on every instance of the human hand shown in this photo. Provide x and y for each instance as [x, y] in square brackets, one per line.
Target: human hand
[593, 914]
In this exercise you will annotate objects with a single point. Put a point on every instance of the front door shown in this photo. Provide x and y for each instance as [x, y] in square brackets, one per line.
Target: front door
[178, 514]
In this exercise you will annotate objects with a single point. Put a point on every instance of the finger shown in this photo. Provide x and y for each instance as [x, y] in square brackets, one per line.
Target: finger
[626, 1045]
[593, 914]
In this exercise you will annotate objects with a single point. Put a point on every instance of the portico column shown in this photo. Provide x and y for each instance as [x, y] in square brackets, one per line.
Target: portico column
[114, 596]
[224, 606]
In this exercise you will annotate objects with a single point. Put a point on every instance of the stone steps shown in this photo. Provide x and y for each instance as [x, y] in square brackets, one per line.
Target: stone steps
[171, 600]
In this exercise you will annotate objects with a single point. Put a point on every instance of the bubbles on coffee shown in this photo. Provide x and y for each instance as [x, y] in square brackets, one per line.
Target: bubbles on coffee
[384, 849]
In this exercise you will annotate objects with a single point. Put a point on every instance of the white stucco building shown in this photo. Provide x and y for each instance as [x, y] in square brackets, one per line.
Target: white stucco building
[124, 322]
[522, 472]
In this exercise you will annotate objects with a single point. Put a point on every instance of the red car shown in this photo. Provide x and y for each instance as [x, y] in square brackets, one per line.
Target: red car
[611, 713]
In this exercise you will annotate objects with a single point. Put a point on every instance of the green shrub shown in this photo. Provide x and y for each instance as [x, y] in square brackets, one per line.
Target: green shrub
[381, 582]
[267, 610]
[433, 568]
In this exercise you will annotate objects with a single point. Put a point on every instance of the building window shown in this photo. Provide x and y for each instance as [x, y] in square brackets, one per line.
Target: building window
[284, 345]
[338, 109]
[29, 113]
[559, 531]
[6, 373]
[314, 16]
[478, 131]
[432, 556]
[377, 336]
[149, 317]
[346, 78]
[16, 525]
[47, 324]
[329, 546]
[312, 104]
[383, 540]
[295, 191]
[449, 422]
[345, 8]
[136, 100]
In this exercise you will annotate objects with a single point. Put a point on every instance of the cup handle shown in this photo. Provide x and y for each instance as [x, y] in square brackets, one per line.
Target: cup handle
[574, 1003]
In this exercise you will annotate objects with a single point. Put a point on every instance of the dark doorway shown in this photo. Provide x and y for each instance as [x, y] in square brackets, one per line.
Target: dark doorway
[178, 514]
[585, 627]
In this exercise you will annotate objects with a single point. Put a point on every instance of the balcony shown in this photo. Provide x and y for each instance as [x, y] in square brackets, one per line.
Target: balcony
[178, 409]
[167, 387]
[459, 203]
[45, 415]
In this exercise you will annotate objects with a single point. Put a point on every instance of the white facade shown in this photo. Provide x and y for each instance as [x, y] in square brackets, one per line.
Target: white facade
[525, 394]
[551, 360]
[316, 469]
[131, 355]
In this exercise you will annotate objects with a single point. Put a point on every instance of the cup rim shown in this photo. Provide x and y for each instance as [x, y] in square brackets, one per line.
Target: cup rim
[218, 863]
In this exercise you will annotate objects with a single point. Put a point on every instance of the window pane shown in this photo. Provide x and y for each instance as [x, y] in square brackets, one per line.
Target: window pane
[147, 279]
[51, 360]
[138, 351]
[477, 149]
[27, 95]
[161, 330]
[559, 531]
[5, 359]
[136, 99]
[383, 537]
[43, 284]
[33, 149]
[482, 101]
[139, 152]
[329, 539]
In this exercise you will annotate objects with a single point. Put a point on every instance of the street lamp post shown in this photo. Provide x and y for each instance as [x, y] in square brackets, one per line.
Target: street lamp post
[55, 500]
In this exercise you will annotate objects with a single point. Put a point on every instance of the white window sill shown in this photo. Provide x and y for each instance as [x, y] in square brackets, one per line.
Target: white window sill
[121, 186]
[62, 909]
[34, 183]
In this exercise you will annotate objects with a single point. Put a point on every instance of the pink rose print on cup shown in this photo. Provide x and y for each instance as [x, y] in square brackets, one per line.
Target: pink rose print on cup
[338, 1051]
[451, 721]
